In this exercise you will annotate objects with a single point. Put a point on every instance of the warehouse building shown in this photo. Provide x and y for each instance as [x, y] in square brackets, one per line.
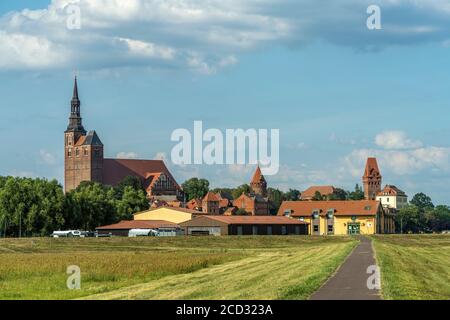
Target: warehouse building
[171, 214]
[122, 229]
[244, 225]
[340, 217]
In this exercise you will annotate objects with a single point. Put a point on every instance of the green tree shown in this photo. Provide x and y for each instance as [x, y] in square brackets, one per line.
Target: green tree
[438, 218]
[410, 219]
[338, 194]
[132, 201]
[292, 195]
[241, 212]
[317, 196]
[90, 205]
[130, 181]
[357, 194]
[422, 201]
[237, 192]
[195, 188]
[276, 197]
[30, 207]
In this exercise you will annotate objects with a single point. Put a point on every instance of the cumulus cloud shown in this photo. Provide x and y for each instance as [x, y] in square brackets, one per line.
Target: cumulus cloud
[203, 35]
[396, 140]
[127, 155]
[400, 155]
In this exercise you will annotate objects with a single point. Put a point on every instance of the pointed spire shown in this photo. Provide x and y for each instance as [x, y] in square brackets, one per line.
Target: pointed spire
[75, 121]
[75, 90]
[257, 175]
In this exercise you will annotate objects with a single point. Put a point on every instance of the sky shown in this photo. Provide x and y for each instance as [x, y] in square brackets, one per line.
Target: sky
[337, 91]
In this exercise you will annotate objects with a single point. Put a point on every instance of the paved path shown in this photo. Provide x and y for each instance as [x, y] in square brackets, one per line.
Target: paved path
[350, 280]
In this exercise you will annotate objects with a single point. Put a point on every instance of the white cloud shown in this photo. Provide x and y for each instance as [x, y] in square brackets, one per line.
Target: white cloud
[203, 35]
[127, 155]
[47, 157]
[401, 161]
[396, 140]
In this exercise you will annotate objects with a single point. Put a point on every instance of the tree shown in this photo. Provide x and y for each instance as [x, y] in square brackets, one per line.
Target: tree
[338, 194]
[292, 195]
[30, 206]
[276, 197]
[358, 194]
[132, 201]
[237, 192]
[317, 196]
[410, 219]
[195, 188]
[90, 205]
[438, 218]
[241, 212]
[422, 201]
[130, 181]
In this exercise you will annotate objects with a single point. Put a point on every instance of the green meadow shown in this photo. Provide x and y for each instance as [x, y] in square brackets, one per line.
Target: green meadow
[414, 267]
[170, 268]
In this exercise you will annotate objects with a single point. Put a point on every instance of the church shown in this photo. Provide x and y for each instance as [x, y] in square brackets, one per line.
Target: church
[84, 161]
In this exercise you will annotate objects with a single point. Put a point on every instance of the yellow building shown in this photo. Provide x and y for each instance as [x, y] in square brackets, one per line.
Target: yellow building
[340, 217]
[171, 214]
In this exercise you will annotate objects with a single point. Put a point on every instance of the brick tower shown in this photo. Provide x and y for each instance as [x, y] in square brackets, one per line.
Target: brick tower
[83, 153]
[258, 185]
[371, 179]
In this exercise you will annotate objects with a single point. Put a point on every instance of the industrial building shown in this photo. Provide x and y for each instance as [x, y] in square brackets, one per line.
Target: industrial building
[244, 225]
[122, 229]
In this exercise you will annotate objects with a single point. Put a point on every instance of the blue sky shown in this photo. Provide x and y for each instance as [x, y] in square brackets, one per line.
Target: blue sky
[337, 91]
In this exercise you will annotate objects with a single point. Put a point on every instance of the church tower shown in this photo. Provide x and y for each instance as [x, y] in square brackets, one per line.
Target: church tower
[371, 179]
[258, 185]
[83, 153]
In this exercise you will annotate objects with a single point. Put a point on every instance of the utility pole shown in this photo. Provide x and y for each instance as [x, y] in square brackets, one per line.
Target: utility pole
[20, 225]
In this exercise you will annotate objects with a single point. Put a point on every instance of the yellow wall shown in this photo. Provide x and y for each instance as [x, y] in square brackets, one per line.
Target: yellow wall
[164, 213]
[367, 224]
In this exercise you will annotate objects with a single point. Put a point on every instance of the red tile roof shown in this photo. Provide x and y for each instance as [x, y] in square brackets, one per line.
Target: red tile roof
[311, 191]
[114, 170]
[138, 224]
[341, 208]
[194, 203]
[390, 190]
[211, 196]
[250, 220]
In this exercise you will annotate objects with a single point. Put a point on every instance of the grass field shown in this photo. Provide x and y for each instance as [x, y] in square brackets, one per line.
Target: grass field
[170, 268]
[414, 266]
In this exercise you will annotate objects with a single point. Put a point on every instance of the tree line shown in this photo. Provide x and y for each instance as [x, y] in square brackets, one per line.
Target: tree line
[37, 207]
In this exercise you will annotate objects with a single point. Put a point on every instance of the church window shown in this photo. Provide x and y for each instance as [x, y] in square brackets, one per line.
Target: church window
[77, 152]
[86, 152]
[69, 153]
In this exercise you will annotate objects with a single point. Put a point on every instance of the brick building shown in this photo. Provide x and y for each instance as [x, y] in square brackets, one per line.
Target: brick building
[84, 161]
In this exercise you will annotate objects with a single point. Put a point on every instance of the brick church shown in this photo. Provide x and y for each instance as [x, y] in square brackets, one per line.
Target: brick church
[84, 161]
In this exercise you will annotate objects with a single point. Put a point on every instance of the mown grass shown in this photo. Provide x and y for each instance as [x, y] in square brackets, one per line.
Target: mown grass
[36, 268]
[288, 273]
[414, 267]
